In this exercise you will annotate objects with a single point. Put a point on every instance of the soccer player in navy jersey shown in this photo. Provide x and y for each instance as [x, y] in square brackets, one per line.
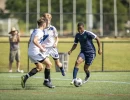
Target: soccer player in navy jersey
[88, 51]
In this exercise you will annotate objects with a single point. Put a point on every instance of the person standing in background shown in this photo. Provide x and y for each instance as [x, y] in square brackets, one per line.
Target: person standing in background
[14, 39]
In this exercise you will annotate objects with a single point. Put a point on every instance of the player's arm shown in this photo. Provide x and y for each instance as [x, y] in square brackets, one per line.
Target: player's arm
[35, 41]
[74, 45]
[73, 48]
[56, 42]
[56, 37]
[99, 45]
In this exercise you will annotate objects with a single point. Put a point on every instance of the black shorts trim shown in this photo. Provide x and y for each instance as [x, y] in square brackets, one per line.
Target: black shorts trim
[55, 58]
[41, 61]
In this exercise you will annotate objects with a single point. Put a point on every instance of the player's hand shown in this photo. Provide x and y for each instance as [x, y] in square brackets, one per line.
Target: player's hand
[43, 45]
[55, 45]
[99, 52]
[69, 52]
[42, 49]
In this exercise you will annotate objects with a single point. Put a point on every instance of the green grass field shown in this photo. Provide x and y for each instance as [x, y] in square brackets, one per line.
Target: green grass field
[116, 55]
[101, 86]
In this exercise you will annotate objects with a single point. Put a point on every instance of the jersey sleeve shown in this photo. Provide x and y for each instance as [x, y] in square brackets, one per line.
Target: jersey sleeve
[92, 35]
[55, 32]
[38, 34]
[76, 39]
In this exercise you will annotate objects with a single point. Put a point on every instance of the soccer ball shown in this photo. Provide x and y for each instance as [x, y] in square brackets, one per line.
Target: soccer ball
[78, 82]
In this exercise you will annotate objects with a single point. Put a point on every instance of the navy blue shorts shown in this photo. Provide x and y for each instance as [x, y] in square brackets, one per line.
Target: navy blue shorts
[88, 57]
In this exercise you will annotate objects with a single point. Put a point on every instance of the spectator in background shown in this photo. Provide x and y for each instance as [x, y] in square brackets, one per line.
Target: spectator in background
[14, 39]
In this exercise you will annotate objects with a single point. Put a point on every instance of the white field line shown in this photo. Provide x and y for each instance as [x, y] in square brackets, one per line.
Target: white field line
[67, 79]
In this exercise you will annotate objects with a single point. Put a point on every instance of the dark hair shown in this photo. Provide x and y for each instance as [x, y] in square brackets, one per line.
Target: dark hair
[41, 21]
[80, 24]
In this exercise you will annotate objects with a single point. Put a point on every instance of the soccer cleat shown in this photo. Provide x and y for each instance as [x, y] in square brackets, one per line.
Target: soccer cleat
[86, 79]
[23, 81]
[48, 84]
[72, 82]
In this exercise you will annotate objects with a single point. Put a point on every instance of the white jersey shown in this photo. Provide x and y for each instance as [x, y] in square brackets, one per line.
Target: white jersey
[33, 49]
[49, 36]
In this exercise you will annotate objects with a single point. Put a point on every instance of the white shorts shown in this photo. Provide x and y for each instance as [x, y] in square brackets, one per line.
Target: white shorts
[51, 51]
[36, 58]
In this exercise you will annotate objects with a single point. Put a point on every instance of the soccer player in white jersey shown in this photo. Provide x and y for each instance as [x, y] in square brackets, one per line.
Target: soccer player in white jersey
[35, 55]
[50, 41]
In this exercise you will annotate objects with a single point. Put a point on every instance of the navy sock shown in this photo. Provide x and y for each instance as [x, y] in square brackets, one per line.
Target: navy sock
[61, 69]
[75, 71]
[88, 73]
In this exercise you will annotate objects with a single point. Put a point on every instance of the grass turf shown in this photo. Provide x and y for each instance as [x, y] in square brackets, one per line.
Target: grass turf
[116, 56]
[101, 86]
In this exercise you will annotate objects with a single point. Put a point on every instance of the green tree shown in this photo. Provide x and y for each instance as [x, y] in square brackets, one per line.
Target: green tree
[108, 15]
[17, 9]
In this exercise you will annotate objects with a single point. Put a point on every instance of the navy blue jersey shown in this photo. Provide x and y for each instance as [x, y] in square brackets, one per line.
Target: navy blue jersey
[86, 41]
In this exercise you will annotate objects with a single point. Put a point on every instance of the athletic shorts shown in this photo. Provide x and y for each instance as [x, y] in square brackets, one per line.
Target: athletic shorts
[88, 57]
[37, 58]
[51, 51]
[14, 54]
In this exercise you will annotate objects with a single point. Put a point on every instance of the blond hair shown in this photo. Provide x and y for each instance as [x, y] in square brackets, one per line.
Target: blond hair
[47, 16]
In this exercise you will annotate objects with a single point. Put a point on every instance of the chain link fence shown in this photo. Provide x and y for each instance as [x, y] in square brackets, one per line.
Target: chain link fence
[115, 57]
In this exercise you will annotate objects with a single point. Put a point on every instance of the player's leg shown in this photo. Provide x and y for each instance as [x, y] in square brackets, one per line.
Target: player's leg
[86, 66]
[11, 59]
[37, 60]
[55, 55]
[79, 60]
[88, 61]
[39, 67]
[48, 64]
[47, 80]
[59, 64]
